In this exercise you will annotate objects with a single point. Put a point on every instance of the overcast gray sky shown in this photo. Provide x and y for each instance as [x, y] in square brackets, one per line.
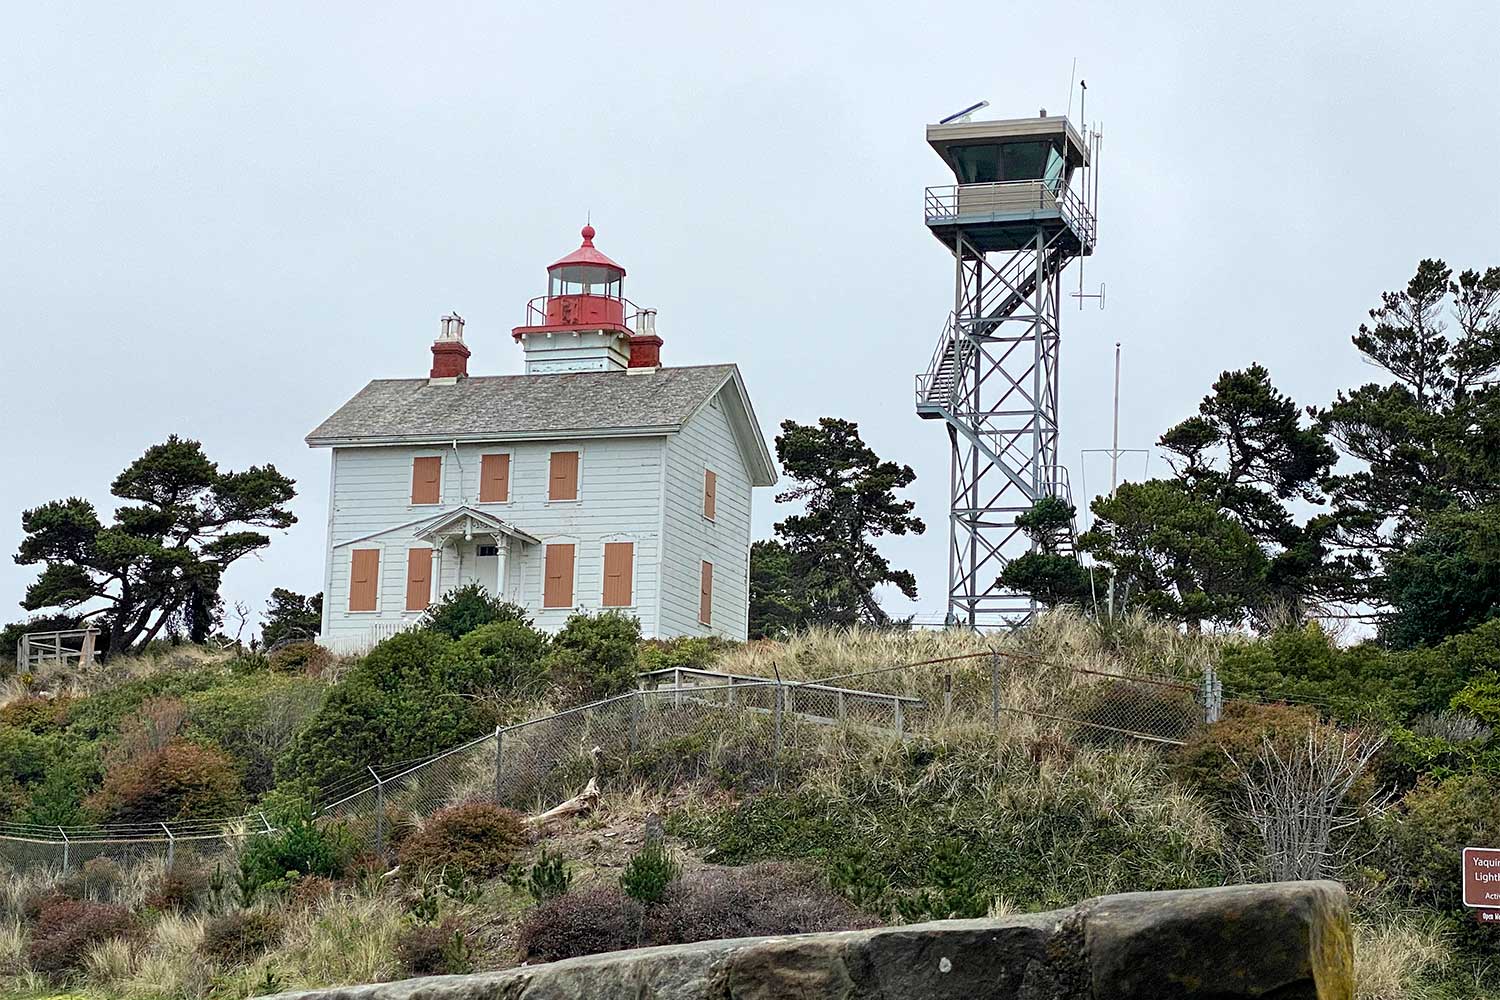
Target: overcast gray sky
[222, 220]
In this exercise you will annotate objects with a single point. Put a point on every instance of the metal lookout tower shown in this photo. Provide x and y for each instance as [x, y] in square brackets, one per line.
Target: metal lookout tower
[1023, 208]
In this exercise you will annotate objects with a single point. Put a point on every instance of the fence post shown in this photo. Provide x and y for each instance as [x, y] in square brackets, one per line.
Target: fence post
[66, 847]
[379, 812]
[635, 722]
[171, 844]
[677, 685]
[1213, 694]
[995, 691]
[499, 759]
[900, 716]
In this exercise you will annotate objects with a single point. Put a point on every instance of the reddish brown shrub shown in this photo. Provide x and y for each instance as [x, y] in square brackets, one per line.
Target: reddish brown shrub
[66, 928]
[241, 935]
[757, 900]
[478, 837]
[1203, 761]
[180, 888]
[180, 781]
[433, 951]
[581, 922]
[301, 658]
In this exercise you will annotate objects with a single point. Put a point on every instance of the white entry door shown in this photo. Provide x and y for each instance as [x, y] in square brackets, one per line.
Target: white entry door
[486, 568]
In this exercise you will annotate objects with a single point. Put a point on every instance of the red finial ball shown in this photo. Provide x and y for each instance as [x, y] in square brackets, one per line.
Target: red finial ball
[588, 235]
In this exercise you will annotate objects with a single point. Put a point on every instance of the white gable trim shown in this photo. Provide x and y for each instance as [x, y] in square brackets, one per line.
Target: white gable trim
[747, 436]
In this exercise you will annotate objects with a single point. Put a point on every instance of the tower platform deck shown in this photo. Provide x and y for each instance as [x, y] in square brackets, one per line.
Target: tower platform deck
[1006, 215]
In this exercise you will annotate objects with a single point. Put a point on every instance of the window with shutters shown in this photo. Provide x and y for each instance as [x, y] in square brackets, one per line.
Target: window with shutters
[418, 579]
[706, 594]
[494, 478]
[619, 568]
[364, 579]
[427, 479]
[710, 493]
[562, 480]
[557, 585]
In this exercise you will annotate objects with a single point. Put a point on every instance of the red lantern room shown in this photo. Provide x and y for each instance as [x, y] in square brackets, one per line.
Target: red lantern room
[582, 323]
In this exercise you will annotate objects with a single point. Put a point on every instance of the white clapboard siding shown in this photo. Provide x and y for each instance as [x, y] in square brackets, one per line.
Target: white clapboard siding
[619, 499]
[706, 442]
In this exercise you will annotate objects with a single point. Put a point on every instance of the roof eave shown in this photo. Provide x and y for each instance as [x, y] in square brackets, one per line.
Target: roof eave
[551, 434]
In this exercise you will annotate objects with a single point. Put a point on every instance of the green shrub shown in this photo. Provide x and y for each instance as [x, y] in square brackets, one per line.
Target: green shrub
[1364, 681]
[394, 705]
[1422, 842]
[649, 873]
[1480, 697]
[66, 928]
[549, 877]
[478, 838]
[301, 658]
[464, 609]
[507, 657]
[299, 846]
[595, 656]
[241, 936]
[442, 950]
[181, 780]
[254, 723]
[697, 651]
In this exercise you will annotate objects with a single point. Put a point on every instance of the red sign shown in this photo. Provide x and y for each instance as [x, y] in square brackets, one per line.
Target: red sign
[1482, 878]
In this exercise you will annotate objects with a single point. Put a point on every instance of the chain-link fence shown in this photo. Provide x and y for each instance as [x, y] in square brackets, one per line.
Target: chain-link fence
[686, 724]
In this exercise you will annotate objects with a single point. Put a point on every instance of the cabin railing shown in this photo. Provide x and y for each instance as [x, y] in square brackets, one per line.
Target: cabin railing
[947, 203]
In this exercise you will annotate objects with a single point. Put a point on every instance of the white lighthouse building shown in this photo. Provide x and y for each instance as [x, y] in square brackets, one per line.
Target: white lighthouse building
[598, 479]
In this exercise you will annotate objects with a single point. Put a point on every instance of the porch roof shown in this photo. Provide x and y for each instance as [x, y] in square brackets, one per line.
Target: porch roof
[466, 522]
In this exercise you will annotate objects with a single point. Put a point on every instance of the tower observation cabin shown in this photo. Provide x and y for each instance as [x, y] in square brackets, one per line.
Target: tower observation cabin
[1022, 208]
[1014, 177]
[584, 322]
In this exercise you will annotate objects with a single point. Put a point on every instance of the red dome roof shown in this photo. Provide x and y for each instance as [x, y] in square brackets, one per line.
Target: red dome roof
[586, 256]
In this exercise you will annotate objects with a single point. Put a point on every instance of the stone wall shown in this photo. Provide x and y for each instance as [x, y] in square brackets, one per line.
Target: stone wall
[1285, 941]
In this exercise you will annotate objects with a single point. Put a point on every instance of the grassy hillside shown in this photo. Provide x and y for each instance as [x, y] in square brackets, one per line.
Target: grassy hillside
[859, 830]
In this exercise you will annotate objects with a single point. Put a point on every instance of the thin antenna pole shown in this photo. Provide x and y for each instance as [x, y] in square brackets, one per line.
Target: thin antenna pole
[1114, 467]
[1072, 75]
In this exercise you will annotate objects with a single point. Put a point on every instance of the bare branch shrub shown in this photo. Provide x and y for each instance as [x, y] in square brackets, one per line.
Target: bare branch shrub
[1303, 796]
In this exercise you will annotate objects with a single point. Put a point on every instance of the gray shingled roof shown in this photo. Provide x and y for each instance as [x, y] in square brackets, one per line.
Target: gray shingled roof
[500, 406]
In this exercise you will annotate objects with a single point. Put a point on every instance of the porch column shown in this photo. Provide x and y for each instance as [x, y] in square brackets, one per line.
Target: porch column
[502, 562]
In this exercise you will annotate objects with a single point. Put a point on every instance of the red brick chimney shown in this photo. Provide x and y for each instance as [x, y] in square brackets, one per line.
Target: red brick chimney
[450, 358]
[645, 345]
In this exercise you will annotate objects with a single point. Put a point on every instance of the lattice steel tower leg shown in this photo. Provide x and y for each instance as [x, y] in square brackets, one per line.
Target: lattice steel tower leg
[993, 379]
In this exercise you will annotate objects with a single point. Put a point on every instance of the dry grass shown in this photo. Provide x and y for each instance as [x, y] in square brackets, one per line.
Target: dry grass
[55, 681]
[1393, 953]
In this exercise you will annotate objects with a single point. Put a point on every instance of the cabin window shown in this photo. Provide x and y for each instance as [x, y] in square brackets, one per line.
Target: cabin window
[364, 579]
[557, 588]
[418, 579]
[1009, 161]
[619, 568]
[706, 593]
[494, 478]
[710, 493]
[427, 479]
[562, 481]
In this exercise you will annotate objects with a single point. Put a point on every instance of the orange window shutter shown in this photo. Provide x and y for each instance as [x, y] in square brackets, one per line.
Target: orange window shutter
[364, 579]
[418, 579]
[562, 483]
[619, 560]
[426, 479]
[494, 478]
[557, 588]
[706, 594]
[710, 494]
